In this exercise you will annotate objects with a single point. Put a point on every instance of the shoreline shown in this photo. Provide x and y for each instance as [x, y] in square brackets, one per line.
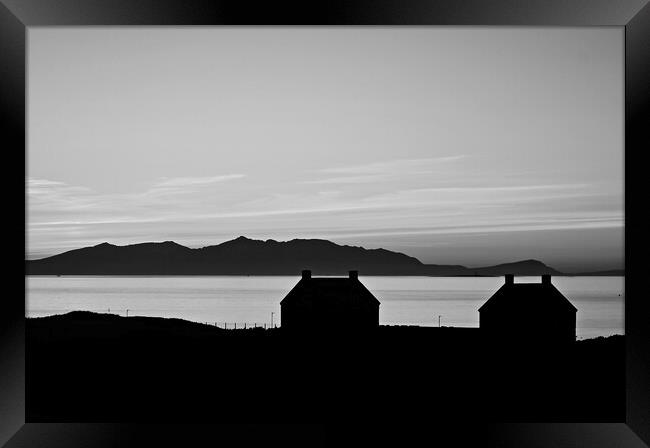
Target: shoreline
[118, 318]
[297, 275]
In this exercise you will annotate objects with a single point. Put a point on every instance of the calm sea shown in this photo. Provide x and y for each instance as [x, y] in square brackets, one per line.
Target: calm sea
[251, 300]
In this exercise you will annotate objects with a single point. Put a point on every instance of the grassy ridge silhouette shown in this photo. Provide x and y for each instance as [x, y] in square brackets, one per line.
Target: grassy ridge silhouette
[84, 366]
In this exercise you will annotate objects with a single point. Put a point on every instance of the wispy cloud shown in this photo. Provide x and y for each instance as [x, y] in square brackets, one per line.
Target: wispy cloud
[369, 178]
[42, 183]
[502, 188]
[481, 196]
[381, 171]
[57, 196]
[57, 203]
[61, 215]
[523, 224]
[174, 186]
[393, 166]
[37, 186]
[195, 181]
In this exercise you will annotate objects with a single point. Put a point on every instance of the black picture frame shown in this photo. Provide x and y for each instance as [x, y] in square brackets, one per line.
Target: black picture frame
[17, 15]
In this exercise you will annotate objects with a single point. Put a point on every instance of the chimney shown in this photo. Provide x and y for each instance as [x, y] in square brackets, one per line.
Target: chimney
[546, 279]
[354, 275]
[306, 274]
[510, 279]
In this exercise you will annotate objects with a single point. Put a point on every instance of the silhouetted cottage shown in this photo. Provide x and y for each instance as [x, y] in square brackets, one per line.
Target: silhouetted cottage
[529, 312]
[331, 303]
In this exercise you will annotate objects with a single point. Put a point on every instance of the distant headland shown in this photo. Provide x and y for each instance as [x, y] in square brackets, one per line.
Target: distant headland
[245, 256]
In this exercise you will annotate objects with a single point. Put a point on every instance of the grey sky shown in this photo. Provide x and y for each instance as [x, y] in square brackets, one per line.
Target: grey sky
[455, 145]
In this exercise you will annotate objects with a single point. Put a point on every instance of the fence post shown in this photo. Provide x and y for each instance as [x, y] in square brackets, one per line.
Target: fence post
[235, 325]
[225, 325]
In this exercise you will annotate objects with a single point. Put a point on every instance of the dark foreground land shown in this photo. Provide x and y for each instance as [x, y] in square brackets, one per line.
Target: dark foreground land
[99, 367]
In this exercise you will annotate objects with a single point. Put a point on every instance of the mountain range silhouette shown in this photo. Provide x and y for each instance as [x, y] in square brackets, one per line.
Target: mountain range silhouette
[245, 256]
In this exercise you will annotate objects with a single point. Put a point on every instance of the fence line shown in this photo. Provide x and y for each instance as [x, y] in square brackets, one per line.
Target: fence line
[130, 312]
[242, 325]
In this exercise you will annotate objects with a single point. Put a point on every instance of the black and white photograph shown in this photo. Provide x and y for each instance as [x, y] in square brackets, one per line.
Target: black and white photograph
[355, 217]
[288, 212]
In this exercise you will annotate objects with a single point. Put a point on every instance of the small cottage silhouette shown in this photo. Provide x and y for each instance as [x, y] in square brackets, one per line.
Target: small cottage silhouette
[341, 303]
[529, 312]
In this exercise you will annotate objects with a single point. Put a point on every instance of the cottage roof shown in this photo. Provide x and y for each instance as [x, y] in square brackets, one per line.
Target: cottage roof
[534, 296]
[333, 290]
